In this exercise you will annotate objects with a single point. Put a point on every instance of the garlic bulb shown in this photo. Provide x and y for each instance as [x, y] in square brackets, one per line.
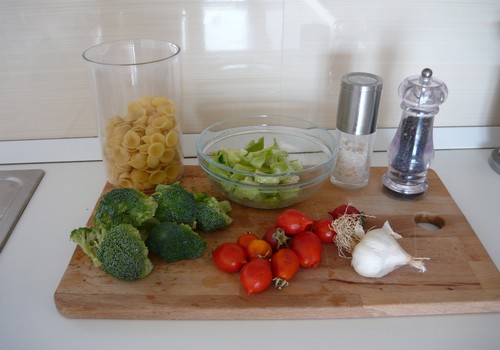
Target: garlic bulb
[378, 254]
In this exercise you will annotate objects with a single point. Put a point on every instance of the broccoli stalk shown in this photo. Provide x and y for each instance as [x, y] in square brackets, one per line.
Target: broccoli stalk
[88, 238]
[211, 214]
[173, 242]
[175, 204]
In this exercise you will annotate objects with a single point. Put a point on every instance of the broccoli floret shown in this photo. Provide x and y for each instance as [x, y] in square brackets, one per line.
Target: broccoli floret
[123, 254]
[88, 238]
[120, 251]
[147, 226]
[124, 206]
[211, 214]
[173, 242]
[175, 204]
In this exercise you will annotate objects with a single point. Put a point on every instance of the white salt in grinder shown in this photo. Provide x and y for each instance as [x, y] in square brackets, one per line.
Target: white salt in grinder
[357, 112]
[412, 149]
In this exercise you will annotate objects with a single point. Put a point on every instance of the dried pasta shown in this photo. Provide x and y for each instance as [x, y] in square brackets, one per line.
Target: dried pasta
[142, 149]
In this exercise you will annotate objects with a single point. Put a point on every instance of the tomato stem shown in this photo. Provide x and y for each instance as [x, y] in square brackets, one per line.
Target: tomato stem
[280, 237]
[280, 283]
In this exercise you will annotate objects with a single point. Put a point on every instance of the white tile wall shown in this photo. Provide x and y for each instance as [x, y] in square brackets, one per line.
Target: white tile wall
[247, 57]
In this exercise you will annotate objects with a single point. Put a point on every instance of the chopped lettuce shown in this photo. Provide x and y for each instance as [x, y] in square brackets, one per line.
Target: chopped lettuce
[261, 161]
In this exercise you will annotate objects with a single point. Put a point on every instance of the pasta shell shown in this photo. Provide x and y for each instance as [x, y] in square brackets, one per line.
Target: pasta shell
[171, 138]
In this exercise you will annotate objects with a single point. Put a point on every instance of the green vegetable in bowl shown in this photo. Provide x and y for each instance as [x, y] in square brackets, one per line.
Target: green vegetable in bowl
[261, 161]
[255, 158]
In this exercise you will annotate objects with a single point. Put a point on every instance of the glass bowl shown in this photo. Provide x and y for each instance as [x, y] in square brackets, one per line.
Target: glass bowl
[309, 147]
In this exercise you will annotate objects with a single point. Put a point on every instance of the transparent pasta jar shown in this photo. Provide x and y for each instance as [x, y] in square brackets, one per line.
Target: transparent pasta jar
[137, 92]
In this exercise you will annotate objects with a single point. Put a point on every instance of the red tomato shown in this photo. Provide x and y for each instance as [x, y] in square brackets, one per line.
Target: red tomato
[323, 229]
[258, 248]
[276, 237]
[308, 248]
[293, 221]
[229, 257]
[245, 239]
[343, 209]
[285, 264]
[256, 276]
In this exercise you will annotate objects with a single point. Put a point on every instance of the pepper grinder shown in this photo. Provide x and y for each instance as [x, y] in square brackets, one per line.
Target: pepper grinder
[412, 150]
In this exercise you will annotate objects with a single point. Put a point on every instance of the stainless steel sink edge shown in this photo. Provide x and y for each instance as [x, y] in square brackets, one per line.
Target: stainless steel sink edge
[27, 180]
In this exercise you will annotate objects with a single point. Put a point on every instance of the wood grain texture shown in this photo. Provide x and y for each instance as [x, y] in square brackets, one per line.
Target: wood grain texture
[460, 277]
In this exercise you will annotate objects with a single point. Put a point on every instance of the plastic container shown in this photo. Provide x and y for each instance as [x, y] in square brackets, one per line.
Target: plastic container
[137, 89]
[357, 112]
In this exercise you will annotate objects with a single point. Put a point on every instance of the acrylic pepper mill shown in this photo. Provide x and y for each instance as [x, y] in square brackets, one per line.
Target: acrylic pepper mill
[412, 150]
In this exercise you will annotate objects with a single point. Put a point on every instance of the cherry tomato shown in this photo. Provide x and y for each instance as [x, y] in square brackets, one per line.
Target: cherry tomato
[258, 248]
[323, 229]
[343, 209]
[308, 248]
[293, 221]
[229, 257]
[245, 239]
[285, 264]
[256, 276]
[276, 237]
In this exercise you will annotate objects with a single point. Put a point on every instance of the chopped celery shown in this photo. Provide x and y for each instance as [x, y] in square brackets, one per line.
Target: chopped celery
[243, 167]
[267, 180]
[254, 146]
[262, 161]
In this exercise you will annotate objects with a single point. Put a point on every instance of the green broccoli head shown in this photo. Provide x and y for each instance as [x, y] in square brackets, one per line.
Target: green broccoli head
[211, 214]
[88, 238]
[124, 206]
[147, 226]
[123, 254]
[173, 242]
[175, 204]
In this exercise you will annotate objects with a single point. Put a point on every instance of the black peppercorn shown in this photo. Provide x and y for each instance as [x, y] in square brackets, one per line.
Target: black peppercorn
[415, 134]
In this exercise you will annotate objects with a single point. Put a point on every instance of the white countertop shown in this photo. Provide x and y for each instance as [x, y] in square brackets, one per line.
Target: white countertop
[38, 251]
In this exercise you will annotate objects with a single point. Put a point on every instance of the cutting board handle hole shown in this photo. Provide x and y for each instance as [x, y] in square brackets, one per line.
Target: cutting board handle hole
[429, 222]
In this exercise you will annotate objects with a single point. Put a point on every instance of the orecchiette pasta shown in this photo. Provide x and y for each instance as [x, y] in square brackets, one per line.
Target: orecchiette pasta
[141, 149]
[131, 140]
[157, 177]
[171, 138]
[157, 138]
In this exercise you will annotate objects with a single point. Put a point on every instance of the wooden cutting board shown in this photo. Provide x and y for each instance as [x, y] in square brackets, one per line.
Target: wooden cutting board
[460, 277]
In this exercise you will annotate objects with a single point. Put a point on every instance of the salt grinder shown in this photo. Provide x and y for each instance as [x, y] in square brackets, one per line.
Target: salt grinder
[411, 151]
[357, 112]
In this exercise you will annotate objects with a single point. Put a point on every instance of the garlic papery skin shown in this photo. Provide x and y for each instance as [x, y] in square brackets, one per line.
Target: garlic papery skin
[378, 254]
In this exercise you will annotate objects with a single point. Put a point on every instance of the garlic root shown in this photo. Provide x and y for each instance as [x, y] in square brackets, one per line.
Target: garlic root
[349, 232]
[418, 263]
